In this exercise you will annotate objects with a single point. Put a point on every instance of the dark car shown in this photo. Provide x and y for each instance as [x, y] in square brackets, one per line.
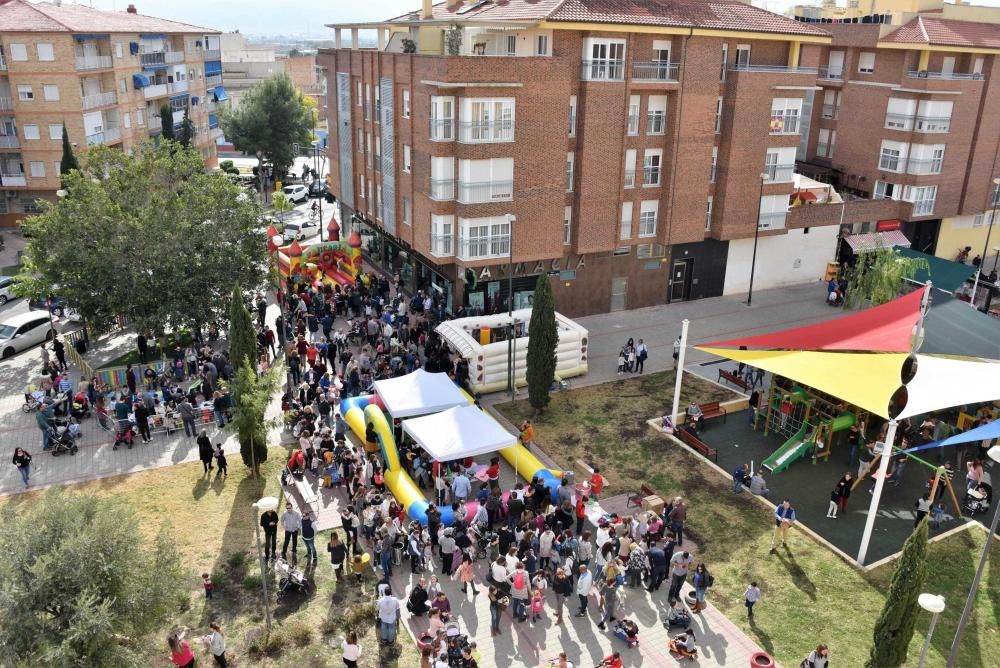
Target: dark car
[318, 188]
[55, 305]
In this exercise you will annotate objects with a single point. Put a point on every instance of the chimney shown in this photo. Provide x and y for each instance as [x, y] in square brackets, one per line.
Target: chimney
[428, 10]
[132, 10]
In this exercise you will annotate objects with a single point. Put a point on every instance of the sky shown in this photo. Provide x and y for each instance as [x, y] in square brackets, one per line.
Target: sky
[307, 19]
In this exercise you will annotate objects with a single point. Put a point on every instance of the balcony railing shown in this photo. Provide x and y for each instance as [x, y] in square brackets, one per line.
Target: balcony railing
[6, 104]
[442, 129]
[932, 124]
[630, 178]
[155, 90]
[212, 54]
[109, 136]
[153, 58]
[485, 191]
[650, 176]
[215, 133]
[9, 141]
[98, 100]
[178, 87]
[924, 165]
[155, 124]
[174, 56]
[17, 179]
[656, 70]
[790, 69]
[784, 124]
[771, 221]
[93, 62]
[892, 163]
[484, 132]
[442, 190]
[831, 74]
[779, 173]
[925, 74]
[477, 248]
[603, 70]
[213, 80]
[442, 245]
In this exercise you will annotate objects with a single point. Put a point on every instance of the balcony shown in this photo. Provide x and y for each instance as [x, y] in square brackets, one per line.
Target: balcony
[84, 63]
[779, 173]
[923, 207]
[155, 124]
[656, 70]
[923, 166]
[213, 80]
[603, 70]
[481, 248]
[174, 57]
[771, 221]
[98, 100]
[214, 133]
[932, 124]
[9, 141]
[155, 90]
[951, 76]
[831, 74]
[485, 132]
[212, 54]
[108, 136]
[6, 104]
[442, 245]
[13, 180]
[442, 129]
[178, 87]
[442, 190]
[774, 69]
[629, 178]
[153, 58]
[479, 192]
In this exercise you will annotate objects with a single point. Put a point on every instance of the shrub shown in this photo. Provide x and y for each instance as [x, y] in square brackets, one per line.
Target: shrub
[360, 615]
[251, 582]
[237, 560]
[298, 633]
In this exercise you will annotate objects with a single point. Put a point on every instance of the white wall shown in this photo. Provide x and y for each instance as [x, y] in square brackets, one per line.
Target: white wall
[777, 257]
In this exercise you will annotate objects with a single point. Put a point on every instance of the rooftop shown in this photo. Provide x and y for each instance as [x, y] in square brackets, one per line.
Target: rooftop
[23, 16]
[946, 32]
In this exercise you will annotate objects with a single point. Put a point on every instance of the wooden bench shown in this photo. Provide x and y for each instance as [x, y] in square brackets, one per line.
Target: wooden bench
[712, 410]
[733, 379]
[636, 499]
[697, 444]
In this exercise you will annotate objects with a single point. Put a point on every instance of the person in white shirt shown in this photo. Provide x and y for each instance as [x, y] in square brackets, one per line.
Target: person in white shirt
[216, 643]
[584, 583]
[388, 615]
[351, 650]
[291, 522]
[498, 570]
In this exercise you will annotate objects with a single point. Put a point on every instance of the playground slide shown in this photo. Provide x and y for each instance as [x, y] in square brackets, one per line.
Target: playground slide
[798, 445]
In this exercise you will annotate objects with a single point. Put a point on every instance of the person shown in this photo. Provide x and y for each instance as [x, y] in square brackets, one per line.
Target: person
[923, 506]
[679, 565]
[460, 488]
[351, 650]
[216, 643]
[186, 411]
[220, 461]
[388, 614]
[677, 517]
[563, 662]
[695, 413]
[309, 535]
[416, 602]
[752, 407]
[657, 565]
[596, 484]
[206, 582]
[584, 583]
[180, 651]
[758, 485]
[291, 522]
[60, 350]
[819, 657]
[466, 574]
[739, 476]
[621, 362]
[677, 615]
[784, 518]
[442, 605]
[843, 492]
[42, 420]
[142, 421]
[520, 591]
[750, 597]
[527, 434]
[612, 594]
[497, 604]
[562, 587]
[338, 554]
[206, 453]
[269, 522]
[142, 345]
[537, 604]
[677, 351]
[684, 645]
[701, 581]
[613, 660]
[22, 460]
[641, 355]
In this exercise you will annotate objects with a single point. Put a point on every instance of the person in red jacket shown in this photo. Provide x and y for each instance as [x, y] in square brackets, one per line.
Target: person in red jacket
[297, 461]
[596, 483]
[581, 512]
[612, 661]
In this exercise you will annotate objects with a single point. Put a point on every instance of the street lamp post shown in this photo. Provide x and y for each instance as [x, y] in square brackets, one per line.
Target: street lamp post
[263, 505]
[315, 145]
[934, 604]
[994, 454]
[986, 246]
[756, 234]
[511, 345]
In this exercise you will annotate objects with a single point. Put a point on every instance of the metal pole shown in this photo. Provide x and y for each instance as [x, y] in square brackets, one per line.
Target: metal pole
[986, 246]
[927, 642]
[756, 234]
[263, 572]
[680, 371]
[513, 364]
[510, 309]
[883, 469]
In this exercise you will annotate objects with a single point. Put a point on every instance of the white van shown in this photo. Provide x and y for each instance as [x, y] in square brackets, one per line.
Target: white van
[19, 332]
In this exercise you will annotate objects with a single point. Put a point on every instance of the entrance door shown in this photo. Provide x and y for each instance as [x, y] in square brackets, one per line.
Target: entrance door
[619, 292]
[680, 280]
[948, 65]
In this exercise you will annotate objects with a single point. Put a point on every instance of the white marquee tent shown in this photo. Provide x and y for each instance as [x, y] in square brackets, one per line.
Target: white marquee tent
[419, 393]
[463, 431]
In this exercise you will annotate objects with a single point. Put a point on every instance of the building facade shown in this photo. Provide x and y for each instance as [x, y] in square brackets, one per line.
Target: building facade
[102, 75]
[635, 156]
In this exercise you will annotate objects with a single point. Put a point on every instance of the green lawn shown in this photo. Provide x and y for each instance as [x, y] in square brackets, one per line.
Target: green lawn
[132, 357]
[810, 595]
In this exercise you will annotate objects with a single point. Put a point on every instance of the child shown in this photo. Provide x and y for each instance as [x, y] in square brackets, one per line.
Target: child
[206, 581]
[937, 516]
[834, 499]
[220, 459]
[751, 595]
[358, 567]
[596, 483]
[537, 604]
[621, 362]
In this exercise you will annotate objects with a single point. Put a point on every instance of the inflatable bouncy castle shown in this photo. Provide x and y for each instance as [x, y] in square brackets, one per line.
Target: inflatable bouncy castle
[335, 262]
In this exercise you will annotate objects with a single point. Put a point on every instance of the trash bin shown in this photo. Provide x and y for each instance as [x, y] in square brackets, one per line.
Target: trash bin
[761, 660]
[397, 552]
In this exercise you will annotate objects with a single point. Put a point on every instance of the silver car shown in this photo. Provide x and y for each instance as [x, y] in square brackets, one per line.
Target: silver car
[22, 331]
[6, 289]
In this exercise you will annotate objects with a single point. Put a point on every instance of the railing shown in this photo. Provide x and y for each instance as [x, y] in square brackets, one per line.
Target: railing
[485, 191]
[650, 176]
[771, 221]
[215, 133]
[779, 173]
[899, 121]
[155, 124]
[784, 124]
[93, 62]
[655, 122]
[442, 245]
[790, 69]
[98, 100]
[656, 70]
[211, 107]
[9, 141]
[442, 190]
[831, 74]
[155, 90]
[924, 165]
[213, 80]
[178, 87]
[109, 136]
[603, 70]
[477, 132]
[477, 248]
[630, 178]
[174, 56]
[442, 129]
[932, 124]
[212, 54]
[153, 58]
[6, 104]
[829, 111]
[13, 179]
[923, 207]
[925, 74]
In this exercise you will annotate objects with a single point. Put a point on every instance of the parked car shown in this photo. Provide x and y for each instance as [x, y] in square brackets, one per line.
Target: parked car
[299, 230]
[55, 305]
[6, 289]
[318, 188]
[19, 332]
[298, 193]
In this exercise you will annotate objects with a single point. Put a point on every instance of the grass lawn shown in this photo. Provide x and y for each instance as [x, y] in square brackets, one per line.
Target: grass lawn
[810, 595]
[132, 357]
[213, 525]
[12, 270]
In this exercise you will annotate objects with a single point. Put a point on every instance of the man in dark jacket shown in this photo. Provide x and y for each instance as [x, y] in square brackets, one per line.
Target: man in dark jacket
[269, 522]
[658, 566]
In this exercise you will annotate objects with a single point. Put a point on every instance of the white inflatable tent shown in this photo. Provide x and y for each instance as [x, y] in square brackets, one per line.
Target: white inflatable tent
[488, 362]
[419, 393]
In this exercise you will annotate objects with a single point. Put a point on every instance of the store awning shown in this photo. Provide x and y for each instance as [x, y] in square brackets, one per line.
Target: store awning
[945, 274]
[140, 81]
[463, 431]
[220, 94]
[865, 243]
[419, 393]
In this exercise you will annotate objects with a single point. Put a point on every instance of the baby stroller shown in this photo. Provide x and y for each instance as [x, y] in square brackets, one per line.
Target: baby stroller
[64, 435]
[977, 500]
[107, 424]
[290, 579]
[124, 434]
[628, 631]
[80, 407]
[457, 643]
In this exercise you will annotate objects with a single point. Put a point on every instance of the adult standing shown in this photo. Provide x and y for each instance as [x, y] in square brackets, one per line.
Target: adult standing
[388, 614]
[143, 347]
[186, 411]
[680, 563]
[520, 591]
[641, 354]
[611, 593]
[562, 587]
[844, 491]
[701, 581]
[142, 421]
[677, 517]
[497, 605]
[42, 417]
[584, 583]
[269, 522]
[658, 566]
[60, 349]
[216, 643]
[206, 453]
[784, 518]
[22, 460]
[309, 535]
[338, 554]
[923, 506]
[351, 650]
[291, 522]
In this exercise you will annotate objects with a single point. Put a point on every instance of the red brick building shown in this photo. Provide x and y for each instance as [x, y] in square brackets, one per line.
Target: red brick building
[626, 147]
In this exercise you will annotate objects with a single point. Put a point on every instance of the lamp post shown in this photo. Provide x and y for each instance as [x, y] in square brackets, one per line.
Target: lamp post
[756, 234]
[263, 505]
[986, 246]
[315, 145]
[934, 604]
[511, 345]
[994, 454]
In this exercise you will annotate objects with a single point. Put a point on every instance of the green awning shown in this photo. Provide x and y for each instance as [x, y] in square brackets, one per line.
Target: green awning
[945, 274]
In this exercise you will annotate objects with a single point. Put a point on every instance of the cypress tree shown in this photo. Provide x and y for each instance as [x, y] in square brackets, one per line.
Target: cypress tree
[68, 162]
[186, 133]
[894, 628]
[167, 122]
[543, 336]
[242, 339]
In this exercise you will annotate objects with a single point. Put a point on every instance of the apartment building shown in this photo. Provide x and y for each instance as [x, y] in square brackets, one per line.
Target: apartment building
[630, 149]
[102, 75]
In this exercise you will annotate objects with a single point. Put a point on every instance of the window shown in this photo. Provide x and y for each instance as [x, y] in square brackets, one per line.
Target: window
[370, 196]
[484, 237]
[378, 202]
[378, 154]
[24, 93]
[715, 163]
[486, 120]
[644, 251]
[123, 85]
[442, 118]
[934, 116]
[633, 115]
[31, 131]
[923, 199]
[378, 104]
[656, 115]
[542, 45]
[630, 168]
[893, 156]
[511, 43]
[621, 251]
[361, 185]
[118, 49]
[442, 178]
[569, 171]
[361, 139]
[485, 180]
[45, 51]
[140, 116]
[725, 62]
[442, 235]
[18, 52]
[625, 230]
[572, 115]
[406, 103]
[55, 131]
[50, 92]
[57, 168]
[708, 215]
[567, 225]
[779, 164]
[368, 97]
[835, 65]
[925, 159]
[718, 115]
[661, 51]
[603, 59]
[886, 190]
[647, 217]
[37, 168]
[995, 196]
[977, 66]
[406, 158]
[742, 55]
[825, 142]
[360, 99]
[772, 212]
[651, 159]
[126, 120]
[368, 148]
[831, 102]
[866, 62]
[899, 113]
[407, 211]
[785, 115]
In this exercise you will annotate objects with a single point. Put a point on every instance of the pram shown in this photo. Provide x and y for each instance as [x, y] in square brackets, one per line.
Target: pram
[80, 406]
[977, 500]
[124, 434]
[290, 579]
[628, 631]
[64, 435]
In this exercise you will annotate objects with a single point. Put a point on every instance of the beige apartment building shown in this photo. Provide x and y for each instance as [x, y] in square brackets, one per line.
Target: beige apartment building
[102, 75]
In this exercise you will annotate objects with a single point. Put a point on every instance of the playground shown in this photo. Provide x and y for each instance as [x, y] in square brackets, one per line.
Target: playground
[332, 262]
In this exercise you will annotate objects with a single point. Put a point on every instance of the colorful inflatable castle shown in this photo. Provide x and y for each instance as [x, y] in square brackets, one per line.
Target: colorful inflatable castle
[334, 261]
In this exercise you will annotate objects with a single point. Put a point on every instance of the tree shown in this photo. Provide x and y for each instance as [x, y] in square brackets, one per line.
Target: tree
[895, 625]
[167, 122]
[543, 336]
[294, 53]
[80, 583]
[878, 276]
[148, 235]
[186, 133]
[242, 339]
[272, 116]
[229, 167]
[252, 394]
[281, 204]
[69, 161]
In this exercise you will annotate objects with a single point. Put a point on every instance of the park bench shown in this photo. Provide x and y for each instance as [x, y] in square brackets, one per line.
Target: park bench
[733, 379]
[712, 410]
[697, 445]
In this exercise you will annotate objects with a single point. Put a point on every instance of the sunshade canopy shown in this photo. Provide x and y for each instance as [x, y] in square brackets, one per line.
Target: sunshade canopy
[986, 432]
[946, 274]
[463, 431]
[419, 393]
[865, 243]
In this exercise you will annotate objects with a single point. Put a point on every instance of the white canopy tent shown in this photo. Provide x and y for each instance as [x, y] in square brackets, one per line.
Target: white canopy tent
[463, 431]
[419, 393]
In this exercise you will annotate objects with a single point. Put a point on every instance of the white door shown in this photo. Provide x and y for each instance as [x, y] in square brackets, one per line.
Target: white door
[835, 65]
[619, 290]
[948, 65]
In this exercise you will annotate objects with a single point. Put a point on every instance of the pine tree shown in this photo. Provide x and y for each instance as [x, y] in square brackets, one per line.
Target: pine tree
[543, 336]
[252, 394]
[242, 340]
[167, 122]
[68, 162]
[894, 628]
[185, 135]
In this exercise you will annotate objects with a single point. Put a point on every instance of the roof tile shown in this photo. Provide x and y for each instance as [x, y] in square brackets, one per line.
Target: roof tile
[492, 10]
[22, 16]
[946, 32]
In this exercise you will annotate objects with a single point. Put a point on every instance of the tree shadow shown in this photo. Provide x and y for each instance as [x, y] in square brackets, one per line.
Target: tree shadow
[763, 639]
[799, 577]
